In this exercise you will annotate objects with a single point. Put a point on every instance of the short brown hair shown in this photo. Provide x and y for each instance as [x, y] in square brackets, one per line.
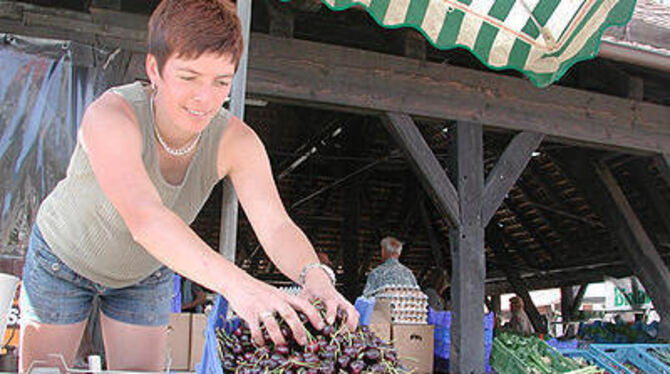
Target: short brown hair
[190, 28]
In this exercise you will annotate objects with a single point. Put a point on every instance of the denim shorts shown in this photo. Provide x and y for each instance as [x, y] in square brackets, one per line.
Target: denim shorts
[52, 293]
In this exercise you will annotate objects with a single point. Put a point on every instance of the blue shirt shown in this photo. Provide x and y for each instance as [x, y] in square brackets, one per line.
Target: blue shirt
[390, 272]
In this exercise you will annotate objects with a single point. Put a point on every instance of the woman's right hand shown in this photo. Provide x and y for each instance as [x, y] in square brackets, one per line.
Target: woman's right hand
[258, 304]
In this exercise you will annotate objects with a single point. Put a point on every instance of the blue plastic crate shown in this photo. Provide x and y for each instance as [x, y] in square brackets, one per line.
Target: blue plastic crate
[211, 363]
[593, 358]
[637, 355]
[442, 333]
[563, 344]
[364, 306]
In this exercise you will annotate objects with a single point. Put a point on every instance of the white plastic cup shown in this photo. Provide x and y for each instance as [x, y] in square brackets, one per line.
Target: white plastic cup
[94, 363]
[8, 285]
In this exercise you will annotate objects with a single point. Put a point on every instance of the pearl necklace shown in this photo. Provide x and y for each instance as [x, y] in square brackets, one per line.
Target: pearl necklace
[176, 152]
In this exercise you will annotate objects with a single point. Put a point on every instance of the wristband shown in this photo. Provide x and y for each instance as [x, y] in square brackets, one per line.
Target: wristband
[308, 267]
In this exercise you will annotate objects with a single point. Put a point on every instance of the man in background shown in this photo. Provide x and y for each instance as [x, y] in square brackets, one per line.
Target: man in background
[391, 272]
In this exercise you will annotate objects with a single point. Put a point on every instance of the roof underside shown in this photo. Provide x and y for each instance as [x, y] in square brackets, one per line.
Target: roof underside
[353, 188]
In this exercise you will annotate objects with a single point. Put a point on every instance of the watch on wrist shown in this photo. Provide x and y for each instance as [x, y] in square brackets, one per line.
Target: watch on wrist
[308, 267]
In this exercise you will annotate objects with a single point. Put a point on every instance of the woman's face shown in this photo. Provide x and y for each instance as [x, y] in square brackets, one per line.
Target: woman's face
[191, 91]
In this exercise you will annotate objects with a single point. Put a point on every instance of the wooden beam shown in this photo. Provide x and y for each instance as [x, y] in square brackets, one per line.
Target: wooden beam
[577, 300]
[374, 82]
[357, 80]
[610, 203]
[663, 164]
[349, 245]
[467, 254]
[428, 169]
[652, 271]
[559, 278]
[567, 301]
[645, 183]
[496, 300]
[507, 170]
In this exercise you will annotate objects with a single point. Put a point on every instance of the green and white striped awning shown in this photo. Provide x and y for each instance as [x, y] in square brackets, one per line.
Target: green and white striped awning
[540, 38]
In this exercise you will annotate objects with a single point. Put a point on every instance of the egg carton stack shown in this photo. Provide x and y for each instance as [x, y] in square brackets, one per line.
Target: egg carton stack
[408, 305]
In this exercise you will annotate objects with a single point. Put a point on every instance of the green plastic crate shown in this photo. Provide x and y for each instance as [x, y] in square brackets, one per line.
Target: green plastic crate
[512, 354]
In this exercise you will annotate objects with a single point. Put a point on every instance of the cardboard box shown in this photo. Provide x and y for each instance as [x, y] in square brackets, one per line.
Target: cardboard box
[415, 344]
[382, 330]
[198, 327]
[380, 319]
[381, 312]
[179, 340]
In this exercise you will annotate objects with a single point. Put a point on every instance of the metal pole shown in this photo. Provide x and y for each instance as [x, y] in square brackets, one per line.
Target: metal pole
[229, 203]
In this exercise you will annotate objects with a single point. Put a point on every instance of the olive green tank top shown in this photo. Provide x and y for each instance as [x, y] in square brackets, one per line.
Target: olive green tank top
[84, 229]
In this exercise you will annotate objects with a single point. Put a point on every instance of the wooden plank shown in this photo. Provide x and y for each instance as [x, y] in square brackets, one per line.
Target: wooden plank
[428, 169]
[363, 80]
[507, 170]
[467, 254]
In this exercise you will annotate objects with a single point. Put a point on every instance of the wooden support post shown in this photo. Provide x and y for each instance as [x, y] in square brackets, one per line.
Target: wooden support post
[663, 164]
[229, 203]
[427, 168]
[577, 301]
[652, 271]
[645, 183]
[350, 243]
[567, 300]
[467, 254]
[508, 169]
[496, 300]
[609, 202]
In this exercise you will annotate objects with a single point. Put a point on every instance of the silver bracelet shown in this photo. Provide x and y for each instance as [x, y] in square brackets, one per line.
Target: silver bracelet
[308, 267]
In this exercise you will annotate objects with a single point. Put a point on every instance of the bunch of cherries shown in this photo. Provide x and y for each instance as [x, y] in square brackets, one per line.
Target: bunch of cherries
[334, 349]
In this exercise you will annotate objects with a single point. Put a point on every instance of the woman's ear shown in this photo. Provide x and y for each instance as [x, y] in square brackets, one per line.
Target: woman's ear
[151, 66]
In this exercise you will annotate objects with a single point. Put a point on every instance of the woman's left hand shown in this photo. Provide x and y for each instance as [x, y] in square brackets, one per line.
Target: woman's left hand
[318, 286]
